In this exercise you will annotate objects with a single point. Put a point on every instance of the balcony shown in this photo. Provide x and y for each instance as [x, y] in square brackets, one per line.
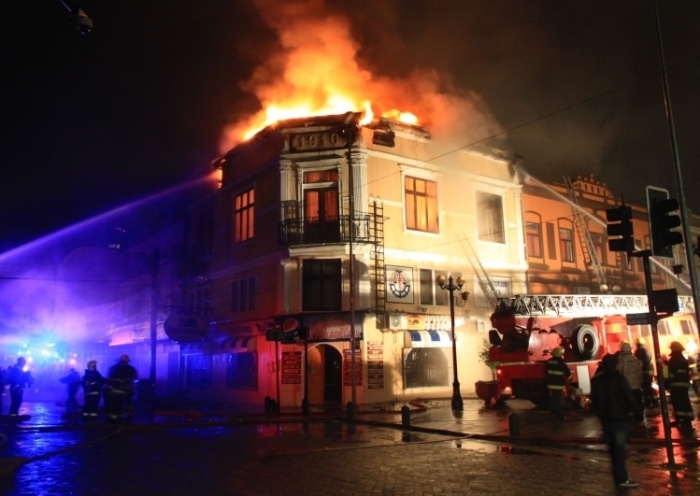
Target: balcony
[316, 231]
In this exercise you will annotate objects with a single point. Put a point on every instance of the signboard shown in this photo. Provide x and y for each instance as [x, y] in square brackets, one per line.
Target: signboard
[375, 365]
[638, 318]
[291, 367]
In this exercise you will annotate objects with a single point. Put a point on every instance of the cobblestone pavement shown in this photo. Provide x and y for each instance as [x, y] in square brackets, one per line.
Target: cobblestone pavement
[435, 453]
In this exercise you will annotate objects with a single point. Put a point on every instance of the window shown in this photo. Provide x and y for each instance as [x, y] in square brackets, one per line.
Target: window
[244, 216]
[533, 238]
[430, 292]
[198, 371]
[243, 295]
[566, 243]
[421, 204]
[426, 367]
[321, 285]
[600, 251]
[490, 218]
[242, 371]
[198, 298]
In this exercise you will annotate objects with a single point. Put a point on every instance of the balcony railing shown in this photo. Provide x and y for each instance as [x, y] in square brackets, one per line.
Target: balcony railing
[313, 231]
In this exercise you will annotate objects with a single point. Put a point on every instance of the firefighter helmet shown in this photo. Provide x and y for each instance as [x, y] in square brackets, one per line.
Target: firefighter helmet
[125, 358]
[641, 341]
[676, 346]
[625, 346]
[558, 351]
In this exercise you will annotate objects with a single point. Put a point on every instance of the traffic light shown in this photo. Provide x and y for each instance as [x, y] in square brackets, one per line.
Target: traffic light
[663, 220]
[620, 226]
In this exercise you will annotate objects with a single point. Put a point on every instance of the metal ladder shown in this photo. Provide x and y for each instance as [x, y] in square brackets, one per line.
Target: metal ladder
[590, 256]
[377, 255]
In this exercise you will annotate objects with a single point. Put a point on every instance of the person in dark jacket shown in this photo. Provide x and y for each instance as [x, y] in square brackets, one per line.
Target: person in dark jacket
[557, 374]
[92, 382]
[119, 391]
[615, 405]
[678, 385]
[644, 357]
[17, 380]
[72, 382]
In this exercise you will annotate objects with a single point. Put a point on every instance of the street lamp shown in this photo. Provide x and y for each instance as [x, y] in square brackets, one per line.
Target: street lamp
[452, 286]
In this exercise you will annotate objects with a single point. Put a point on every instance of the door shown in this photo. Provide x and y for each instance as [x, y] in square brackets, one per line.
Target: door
[321, 215]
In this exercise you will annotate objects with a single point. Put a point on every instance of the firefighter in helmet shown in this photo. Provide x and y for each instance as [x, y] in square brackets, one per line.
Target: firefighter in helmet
[678, 384]
[644, 357]
[557, 374]
[119, 391]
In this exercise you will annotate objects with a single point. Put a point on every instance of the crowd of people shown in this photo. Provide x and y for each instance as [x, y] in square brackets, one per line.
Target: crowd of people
[116, 389]
[621, 389]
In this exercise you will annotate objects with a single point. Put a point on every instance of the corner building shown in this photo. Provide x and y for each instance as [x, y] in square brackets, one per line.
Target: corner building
[321, 223]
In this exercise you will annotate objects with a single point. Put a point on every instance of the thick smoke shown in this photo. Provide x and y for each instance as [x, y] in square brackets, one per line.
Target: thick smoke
[317, 62]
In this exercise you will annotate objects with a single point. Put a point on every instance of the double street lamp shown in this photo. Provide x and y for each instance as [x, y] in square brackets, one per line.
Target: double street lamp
[452, 286]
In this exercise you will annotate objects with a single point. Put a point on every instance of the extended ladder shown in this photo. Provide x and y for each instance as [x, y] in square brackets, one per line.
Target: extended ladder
[482, 277]
[590, 256]
[581, 305]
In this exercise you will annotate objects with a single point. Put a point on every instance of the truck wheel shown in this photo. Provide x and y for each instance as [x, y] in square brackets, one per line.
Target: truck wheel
[586, 342]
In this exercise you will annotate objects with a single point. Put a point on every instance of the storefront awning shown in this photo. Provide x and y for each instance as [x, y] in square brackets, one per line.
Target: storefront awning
[427, 339]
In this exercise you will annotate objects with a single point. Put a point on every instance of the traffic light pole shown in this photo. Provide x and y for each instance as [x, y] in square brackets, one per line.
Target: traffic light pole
[653, 321]
[677, 167]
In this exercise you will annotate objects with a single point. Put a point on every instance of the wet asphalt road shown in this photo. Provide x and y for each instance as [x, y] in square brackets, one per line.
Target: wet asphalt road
[198, 452]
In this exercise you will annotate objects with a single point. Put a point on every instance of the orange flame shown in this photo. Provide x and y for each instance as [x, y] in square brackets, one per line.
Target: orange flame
[316, 71]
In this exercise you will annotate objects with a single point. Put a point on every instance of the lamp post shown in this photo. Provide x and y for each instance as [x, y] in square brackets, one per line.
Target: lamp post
[452, 286]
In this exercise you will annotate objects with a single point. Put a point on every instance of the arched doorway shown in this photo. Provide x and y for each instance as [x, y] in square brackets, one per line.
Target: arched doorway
[325, 377]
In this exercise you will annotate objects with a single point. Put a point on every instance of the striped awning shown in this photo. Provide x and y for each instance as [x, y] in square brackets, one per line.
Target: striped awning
[427, 339]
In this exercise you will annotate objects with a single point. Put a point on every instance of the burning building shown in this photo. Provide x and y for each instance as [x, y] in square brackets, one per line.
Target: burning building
[323, 267]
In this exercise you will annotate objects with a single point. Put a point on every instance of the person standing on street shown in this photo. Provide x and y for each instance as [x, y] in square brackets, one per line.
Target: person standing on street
[17, 380]
[644, 357]
[72, 382]
[614, 403]
[119, 392]
[92, 382]
[557, 374]
[678, 385]
[631, 369]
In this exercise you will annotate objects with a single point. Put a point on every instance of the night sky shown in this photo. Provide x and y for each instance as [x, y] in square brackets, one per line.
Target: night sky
[89, 123]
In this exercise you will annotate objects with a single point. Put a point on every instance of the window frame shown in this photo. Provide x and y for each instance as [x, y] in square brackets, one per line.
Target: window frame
[244, 215]
[415, 200]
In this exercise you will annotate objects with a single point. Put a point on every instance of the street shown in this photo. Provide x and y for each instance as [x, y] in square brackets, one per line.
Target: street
[193, 452]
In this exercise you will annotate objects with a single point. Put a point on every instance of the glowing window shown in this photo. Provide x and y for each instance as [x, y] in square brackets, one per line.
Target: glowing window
[244, 216]
[421, 204]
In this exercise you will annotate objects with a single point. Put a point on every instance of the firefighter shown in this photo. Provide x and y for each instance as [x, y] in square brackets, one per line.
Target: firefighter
[119, 392]
[631, 369]
[17, 380]
[644, 357]
[93, 382]
[678, 384]
[557, 375]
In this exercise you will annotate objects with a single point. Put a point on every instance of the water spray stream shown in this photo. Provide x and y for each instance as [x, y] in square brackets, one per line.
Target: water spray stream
[529, 178]
[6, 256]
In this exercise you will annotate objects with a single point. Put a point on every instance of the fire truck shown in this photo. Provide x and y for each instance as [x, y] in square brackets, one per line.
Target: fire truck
[528, 327]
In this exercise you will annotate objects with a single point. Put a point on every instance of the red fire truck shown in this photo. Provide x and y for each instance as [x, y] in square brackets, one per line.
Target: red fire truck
[528, 327]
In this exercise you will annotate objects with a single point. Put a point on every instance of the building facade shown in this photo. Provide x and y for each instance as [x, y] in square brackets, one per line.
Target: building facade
[330, 243]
